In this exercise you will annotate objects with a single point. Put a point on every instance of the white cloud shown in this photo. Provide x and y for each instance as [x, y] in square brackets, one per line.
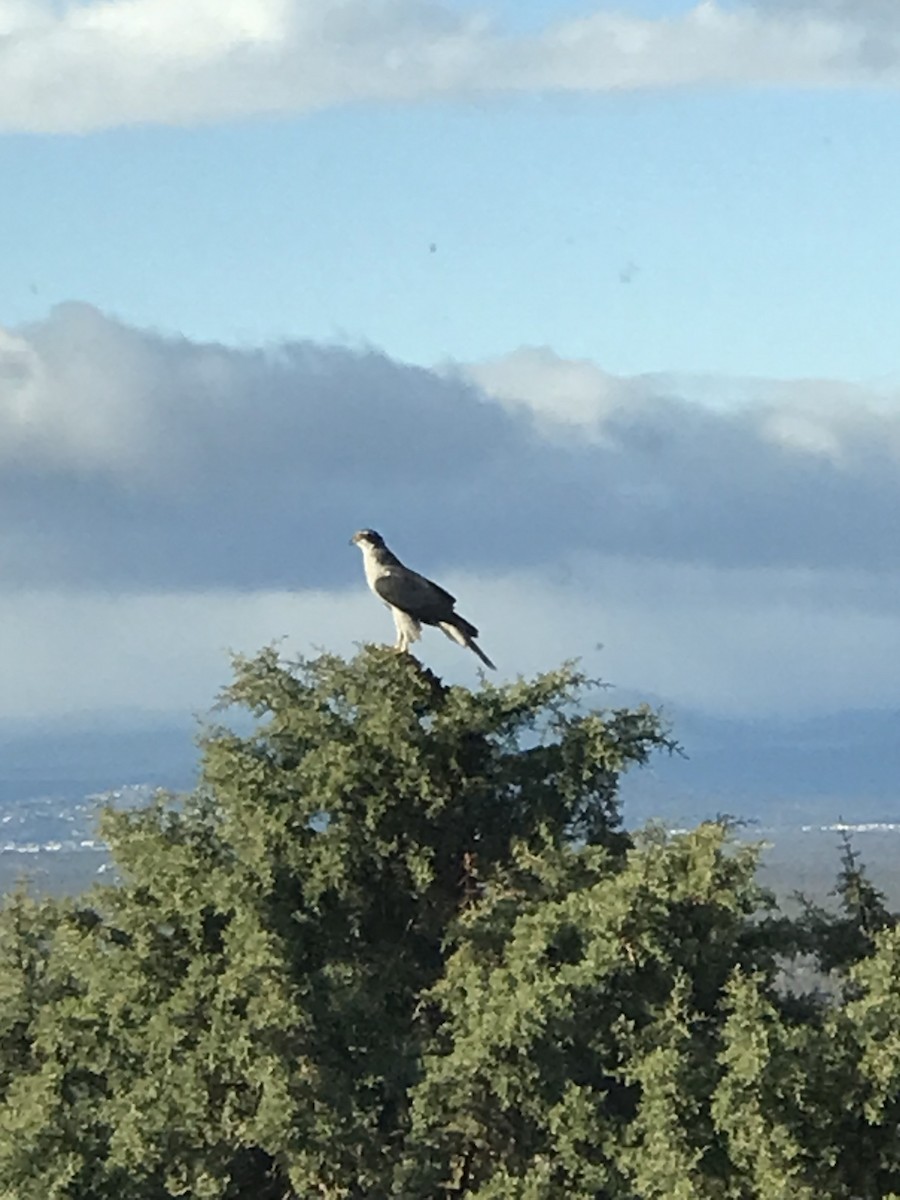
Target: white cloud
[562, 394]
[63, 402]
[708, 45]
[830, 419]
[105, 63]
[102, 63]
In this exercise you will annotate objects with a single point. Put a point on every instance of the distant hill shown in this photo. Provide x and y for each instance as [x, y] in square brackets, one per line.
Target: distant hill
[51, 774]
[779, 776]
[777, 772]
[70, 760]
[774, 771]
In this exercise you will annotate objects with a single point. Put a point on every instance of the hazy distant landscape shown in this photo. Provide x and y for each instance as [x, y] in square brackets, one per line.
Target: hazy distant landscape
[53, 779]
[792, 783]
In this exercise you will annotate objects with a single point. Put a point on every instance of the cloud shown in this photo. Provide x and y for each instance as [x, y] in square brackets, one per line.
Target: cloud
[86, 651]
[131, 458]
[135, 461]
[734, 643]
[728, 472]
[103, 63]
[732, 544]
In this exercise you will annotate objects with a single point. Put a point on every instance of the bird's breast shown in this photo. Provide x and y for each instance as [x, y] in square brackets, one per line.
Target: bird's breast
[373, 569]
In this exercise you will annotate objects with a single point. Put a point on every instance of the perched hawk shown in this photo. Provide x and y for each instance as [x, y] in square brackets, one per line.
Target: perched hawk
[414, 601]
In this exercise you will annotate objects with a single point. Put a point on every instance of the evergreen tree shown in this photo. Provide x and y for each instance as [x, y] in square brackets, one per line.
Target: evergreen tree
[399, 944]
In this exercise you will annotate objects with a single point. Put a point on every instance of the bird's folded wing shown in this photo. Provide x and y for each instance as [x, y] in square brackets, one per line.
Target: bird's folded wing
[413, 593]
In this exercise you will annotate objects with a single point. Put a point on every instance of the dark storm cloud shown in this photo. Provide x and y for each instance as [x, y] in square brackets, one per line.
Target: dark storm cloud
[132, 460]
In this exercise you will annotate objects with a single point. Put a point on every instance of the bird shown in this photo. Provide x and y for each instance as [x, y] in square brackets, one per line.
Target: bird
[414, 601]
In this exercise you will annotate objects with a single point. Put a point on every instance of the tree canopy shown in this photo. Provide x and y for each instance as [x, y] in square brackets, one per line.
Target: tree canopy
[399, 943]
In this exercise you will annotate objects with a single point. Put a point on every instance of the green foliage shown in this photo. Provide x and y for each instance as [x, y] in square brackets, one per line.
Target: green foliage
[398, 944]
[864, 913]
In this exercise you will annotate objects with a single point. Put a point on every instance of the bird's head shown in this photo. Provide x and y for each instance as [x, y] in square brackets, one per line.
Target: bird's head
[367, 538]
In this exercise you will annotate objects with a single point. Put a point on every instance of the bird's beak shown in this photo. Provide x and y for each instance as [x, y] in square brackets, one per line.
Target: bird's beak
[354, 540]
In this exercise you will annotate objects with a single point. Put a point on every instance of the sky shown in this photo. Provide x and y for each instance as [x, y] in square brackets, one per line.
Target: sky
[590, 309]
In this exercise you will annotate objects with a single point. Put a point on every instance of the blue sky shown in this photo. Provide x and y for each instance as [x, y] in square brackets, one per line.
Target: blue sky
[734, 229]
[592, 309]
[739, 232]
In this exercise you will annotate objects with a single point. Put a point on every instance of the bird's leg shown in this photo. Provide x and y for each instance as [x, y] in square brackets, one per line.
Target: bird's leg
[407, 631]
[401, 643]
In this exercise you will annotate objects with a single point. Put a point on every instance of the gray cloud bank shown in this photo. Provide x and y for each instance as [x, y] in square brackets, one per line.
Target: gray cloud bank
[130, 460]
[103, 63]
[732, 543]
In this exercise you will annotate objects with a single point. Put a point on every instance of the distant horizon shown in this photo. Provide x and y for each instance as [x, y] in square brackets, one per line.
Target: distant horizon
[809, 772]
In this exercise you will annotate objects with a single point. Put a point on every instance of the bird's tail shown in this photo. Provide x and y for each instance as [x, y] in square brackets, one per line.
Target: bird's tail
[461, 631]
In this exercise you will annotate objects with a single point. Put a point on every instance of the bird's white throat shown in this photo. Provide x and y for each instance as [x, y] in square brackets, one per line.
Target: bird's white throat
[371, 565]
